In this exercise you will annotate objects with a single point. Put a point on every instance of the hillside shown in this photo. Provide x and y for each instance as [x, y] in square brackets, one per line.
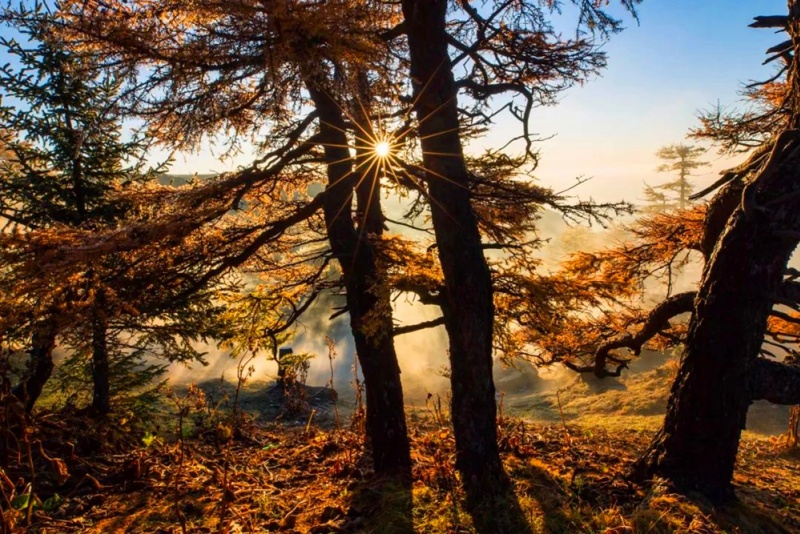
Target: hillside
[300, 479]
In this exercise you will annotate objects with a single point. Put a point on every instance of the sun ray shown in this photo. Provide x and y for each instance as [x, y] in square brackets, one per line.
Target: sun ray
[438, 175]
[445, 154]
[366, 210]
[336, 162]
[441, 132]
[360, 181]
[348, 200]
[334, 145]
[422, 91]
[425, 193]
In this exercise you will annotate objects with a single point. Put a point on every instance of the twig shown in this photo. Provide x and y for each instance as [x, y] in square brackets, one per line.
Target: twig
[563, 419]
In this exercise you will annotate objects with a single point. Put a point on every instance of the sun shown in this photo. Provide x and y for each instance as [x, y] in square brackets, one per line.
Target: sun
[382, 149]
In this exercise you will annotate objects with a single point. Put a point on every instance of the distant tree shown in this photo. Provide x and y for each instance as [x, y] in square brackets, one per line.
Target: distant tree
[681, 160]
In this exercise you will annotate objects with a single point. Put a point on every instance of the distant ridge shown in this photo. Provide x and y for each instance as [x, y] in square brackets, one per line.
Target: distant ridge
[181, 179]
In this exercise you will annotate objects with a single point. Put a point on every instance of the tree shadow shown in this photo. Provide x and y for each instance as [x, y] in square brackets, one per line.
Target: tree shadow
[495, 508]
[382, 505]
[742, 516]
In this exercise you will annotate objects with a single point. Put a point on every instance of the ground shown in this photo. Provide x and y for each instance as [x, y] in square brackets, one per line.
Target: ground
[253, 466]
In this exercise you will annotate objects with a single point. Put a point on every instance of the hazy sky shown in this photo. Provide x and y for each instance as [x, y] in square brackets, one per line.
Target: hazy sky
[685, 55]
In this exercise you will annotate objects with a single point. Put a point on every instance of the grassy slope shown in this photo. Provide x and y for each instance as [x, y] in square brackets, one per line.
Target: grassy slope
[568, 470]
[637, 400]
[568, 479]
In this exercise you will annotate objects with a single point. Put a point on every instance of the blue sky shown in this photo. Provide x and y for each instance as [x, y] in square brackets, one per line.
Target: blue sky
[683, 56]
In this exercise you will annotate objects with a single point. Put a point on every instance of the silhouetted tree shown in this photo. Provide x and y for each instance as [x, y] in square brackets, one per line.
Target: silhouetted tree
[737, 330]
[503, 48]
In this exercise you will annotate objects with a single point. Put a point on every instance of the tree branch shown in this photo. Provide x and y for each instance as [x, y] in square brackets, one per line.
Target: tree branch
[656, 320]
[400, 330]
[776, 382]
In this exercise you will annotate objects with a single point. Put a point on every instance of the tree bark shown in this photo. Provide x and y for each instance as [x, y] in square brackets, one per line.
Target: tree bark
[101, 397]
[468, 308]
[696, 448]
[775, 382]
[40, 364]
[366, 300]
[721, 371]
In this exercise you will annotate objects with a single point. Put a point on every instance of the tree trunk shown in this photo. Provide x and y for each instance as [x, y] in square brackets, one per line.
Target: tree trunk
[368, 302]
[468, 309]
[696, 448]
[794, 426]
[101, 398]
[721, 372]
[40, 364]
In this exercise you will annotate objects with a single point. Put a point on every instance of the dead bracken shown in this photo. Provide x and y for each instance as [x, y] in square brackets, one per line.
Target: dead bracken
[273, 478]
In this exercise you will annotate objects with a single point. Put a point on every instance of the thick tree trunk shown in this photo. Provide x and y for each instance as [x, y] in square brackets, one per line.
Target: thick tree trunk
[367, 303]
[40, 364]
[696, 448]
[101, 398]
[721, 372]
[468, 309]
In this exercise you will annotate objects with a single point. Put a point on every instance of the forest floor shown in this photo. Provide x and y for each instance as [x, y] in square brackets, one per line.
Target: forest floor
[278, 478]
[263, 470]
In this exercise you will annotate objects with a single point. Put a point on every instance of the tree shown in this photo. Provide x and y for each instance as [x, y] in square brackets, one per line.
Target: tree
[738, 327]
[66, 166]
[722, 373]
[499, 48]
[211, 78]
[680, 159]
[65, 158]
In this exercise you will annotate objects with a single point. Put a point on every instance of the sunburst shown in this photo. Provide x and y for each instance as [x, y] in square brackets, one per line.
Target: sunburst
[382, 149]
[378, 151]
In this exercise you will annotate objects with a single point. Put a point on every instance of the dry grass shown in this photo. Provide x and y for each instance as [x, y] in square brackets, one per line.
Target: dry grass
[280, 479]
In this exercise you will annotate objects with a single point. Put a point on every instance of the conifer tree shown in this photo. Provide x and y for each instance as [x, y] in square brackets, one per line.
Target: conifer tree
[65, 156]
[65, 167]
[681, 160]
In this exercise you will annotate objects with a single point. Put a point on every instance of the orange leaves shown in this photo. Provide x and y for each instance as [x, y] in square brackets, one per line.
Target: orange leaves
[231, 68]
[597, 296]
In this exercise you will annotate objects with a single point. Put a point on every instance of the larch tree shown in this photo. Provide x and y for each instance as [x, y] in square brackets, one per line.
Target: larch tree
[680, 160]
[743, 317]
[211, 80]
[501, 48]
[224, 84]
[722, 371]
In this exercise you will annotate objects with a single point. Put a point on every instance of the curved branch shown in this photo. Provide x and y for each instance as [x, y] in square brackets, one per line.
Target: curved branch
[775, 382]
[400, 330]
[657, 320]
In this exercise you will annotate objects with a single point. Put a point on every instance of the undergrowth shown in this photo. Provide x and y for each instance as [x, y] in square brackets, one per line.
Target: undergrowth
[63, 472]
